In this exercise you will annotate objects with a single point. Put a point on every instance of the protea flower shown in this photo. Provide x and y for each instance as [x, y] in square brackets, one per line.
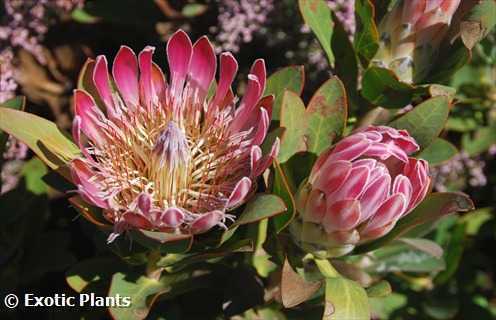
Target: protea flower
[170, 157]
[358, 189]
[411, 34]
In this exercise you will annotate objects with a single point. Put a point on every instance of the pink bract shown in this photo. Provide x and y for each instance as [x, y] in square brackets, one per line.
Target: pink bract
[359, 189]
[170, 156]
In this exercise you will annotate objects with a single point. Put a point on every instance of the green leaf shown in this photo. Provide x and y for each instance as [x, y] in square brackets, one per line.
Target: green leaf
[383, 308]
[326, 115]
[33, 171]
[17, 103]
[476, 219]
[290, 78]
[453, 255]
[41, 135]
[460, 124]
[426, 121]
[293, 119]
[165, 242]
[261, 207]
[284, 187]
[90, 271]
[345, 299]
[482, 139]
[438, 152]
[191, 10]
[446, 65]
[81, 16]
[347, 68]
[382, 87]
[401, 257]
[366, 36]
[261, 260]
[143, 292]
[317, 15]
[435, 206]
[379, 290]
[180, 262]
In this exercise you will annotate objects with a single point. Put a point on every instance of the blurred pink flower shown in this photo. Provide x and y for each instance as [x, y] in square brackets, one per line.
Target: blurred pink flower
[239, 20]
[171, 156]
[358, 189]
[345, 12]
[25, 22]
[460, 172]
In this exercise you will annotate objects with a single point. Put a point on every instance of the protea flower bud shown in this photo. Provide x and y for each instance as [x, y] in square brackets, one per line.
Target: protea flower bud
[411, 34]
[170, 157]
[358, 189]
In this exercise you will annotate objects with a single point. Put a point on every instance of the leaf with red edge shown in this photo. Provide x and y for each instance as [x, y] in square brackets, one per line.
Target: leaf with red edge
[326, 115]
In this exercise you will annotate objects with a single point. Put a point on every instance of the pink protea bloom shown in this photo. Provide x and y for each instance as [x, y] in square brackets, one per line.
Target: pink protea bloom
[169, 156]
[411, 34]
[358, 189]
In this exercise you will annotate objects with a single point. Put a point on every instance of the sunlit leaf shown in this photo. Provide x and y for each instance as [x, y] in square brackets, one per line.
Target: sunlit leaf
[17, 103]
[33, 170]
[317, 16]
[345, 299]
[379, 290]
[142, 291]
[194, 9]
[41, 135]
[86, 272]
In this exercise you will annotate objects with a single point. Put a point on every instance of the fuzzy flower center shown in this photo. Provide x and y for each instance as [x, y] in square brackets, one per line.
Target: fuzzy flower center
[177, 158]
